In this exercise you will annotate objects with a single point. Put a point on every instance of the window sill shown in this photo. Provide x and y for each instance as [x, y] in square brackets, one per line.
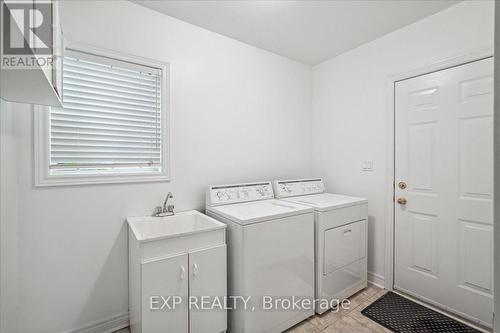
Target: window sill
[68, 180]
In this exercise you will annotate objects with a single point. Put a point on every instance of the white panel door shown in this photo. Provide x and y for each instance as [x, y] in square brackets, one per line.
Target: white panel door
[164, 278]
[444, 156]
[208, 278]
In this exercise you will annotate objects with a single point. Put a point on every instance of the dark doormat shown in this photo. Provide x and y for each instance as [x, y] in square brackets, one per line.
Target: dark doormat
[401, 315]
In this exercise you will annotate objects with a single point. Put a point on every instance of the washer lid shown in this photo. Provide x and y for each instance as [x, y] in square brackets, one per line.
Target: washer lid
[259, 211]
[327, 201]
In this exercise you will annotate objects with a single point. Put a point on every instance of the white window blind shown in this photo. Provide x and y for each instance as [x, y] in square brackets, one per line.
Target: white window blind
[111, 119]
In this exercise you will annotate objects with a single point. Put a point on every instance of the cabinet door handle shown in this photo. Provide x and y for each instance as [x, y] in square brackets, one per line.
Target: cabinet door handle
[183, 273]
[347, 231]
[195, 269]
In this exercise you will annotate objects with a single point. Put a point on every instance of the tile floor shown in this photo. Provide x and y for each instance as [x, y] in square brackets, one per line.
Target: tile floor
[344, 321]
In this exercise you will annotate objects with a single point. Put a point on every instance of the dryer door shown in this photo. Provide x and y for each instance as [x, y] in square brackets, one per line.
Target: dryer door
[344, 245]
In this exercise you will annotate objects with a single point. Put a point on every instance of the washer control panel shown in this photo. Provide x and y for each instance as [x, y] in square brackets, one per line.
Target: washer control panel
[293, 188]
[229, 194]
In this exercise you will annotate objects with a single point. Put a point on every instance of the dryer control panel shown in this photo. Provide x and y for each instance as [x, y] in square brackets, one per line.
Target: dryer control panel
[293, 188]
[229, 194]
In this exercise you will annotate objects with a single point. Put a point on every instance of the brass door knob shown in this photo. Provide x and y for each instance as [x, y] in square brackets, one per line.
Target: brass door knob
[402, 201]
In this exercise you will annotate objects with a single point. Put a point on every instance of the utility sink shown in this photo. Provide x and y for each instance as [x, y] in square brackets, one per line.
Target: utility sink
[179, 255]
[151, 228]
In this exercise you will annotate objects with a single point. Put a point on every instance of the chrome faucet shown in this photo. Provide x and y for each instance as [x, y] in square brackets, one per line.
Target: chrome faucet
[166, 210]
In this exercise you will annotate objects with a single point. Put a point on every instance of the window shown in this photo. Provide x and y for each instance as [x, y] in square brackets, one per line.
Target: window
[112, 125]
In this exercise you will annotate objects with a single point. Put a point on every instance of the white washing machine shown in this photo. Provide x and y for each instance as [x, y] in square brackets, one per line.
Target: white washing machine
[341, 237]
[270, 253]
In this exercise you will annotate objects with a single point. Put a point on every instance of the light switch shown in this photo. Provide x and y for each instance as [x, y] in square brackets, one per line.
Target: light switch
[367, 166]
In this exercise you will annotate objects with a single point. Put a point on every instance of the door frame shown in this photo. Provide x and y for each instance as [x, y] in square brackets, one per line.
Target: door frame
[471, 56]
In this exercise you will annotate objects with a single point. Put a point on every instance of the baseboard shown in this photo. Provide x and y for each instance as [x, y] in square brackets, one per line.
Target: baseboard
[108, 325]
[376, 279]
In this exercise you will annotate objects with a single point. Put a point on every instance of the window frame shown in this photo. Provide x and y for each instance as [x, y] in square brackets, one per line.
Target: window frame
[41, 132]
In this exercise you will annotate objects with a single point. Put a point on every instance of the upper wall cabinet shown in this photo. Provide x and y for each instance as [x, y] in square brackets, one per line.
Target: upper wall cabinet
[32, 47]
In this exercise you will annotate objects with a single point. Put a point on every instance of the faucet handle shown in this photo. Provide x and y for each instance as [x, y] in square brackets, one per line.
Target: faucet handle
[158, 210]
[170, 208]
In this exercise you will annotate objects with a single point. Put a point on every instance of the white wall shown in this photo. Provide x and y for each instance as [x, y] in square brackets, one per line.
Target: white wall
[8, 219]
[239, 114]
[350, 102]
[496, 196]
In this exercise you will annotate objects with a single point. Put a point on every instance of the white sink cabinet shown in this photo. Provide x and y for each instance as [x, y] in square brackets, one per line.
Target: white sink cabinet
[184, 256]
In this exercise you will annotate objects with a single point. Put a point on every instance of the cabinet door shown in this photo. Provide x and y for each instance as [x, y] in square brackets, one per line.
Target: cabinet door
[208, 278]
[164, 278]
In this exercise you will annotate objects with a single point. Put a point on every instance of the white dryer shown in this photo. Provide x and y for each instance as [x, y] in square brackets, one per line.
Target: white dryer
[270, 253]
[341, 237]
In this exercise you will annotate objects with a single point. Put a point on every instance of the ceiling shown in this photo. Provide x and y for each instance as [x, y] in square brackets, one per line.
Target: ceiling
[306, 31]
